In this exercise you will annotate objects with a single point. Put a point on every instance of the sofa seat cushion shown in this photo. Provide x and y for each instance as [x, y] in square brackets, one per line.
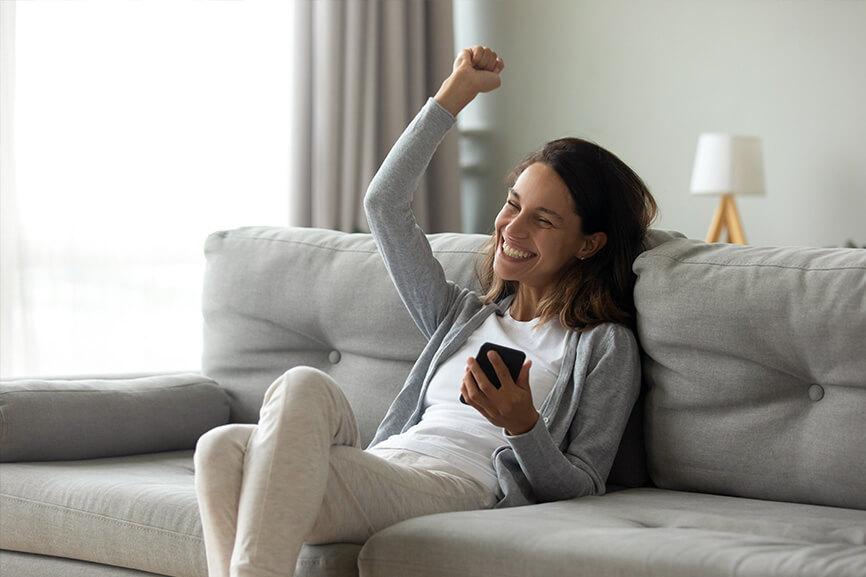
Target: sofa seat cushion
[636, 532]
[138, 512]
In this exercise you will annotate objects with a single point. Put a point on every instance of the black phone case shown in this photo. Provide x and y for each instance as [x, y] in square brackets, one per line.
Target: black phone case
[513, 360]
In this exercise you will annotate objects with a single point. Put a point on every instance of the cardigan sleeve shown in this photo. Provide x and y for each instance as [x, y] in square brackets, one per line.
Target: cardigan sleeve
[609, 392]
[417, 274]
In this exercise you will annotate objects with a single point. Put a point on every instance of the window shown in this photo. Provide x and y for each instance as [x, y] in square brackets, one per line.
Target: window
[140, 127]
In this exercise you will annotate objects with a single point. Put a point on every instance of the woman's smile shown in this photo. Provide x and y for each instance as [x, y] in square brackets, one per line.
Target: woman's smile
[514, 256]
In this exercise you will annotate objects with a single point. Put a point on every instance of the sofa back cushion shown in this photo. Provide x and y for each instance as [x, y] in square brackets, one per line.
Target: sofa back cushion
[279, 297]
[755, 359]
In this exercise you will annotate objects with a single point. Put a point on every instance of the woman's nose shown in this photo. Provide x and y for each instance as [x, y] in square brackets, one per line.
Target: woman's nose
[516, 231]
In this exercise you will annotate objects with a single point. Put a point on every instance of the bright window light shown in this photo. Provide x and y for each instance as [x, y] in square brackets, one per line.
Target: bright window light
[140, 127]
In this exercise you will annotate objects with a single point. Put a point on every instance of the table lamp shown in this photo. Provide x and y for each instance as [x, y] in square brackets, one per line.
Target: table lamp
[727, 164]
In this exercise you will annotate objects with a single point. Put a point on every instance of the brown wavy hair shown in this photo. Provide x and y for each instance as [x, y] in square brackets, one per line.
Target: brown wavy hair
[608, 196]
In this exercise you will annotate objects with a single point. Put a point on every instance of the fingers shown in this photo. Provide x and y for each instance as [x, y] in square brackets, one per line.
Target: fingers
[474, 396]
[477, 383]
[523, 378]
[499, 367]
[484, 58]
[477, 56]
[465, 385]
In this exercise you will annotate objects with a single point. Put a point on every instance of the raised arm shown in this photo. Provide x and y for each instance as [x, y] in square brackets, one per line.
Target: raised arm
[416, 273]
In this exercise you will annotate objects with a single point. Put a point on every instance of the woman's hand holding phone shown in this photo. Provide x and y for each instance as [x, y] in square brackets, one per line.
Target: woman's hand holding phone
[509, 406]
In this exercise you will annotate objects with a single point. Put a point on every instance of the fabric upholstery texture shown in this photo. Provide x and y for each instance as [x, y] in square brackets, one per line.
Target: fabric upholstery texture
[756, 368]
[137, 512]
[20, 564]
[59, 419]
[636, 532]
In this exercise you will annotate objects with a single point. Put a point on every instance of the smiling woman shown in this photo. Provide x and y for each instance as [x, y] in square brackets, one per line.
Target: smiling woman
[581, 213]
[574, 217]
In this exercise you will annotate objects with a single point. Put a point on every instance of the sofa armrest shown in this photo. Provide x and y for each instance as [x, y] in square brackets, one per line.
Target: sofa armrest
[62, 419]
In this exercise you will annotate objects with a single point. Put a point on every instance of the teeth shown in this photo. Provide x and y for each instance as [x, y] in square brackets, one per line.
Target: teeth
[514, 252]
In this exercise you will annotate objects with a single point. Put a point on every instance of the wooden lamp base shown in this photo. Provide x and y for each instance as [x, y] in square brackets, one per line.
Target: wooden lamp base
[726, 216]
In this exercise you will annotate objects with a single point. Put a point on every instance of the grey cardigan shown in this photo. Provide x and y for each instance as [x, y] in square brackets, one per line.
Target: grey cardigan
[570, 450]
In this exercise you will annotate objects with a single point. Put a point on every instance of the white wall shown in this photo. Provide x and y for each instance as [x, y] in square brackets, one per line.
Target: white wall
[644, 78]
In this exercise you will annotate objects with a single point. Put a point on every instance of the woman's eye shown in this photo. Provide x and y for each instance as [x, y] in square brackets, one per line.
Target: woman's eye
[545, 221]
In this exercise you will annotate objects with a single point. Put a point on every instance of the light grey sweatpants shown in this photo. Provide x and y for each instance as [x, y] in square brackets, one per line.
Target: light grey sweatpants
[300, 476]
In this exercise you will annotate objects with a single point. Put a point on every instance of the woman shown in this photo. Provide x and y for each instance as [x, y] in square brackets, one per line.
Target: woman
[557, 284]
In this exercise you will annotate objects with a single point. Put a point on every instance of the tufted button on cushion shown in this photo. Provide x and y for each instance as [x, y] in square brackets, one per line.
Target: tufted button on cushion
[334, 357]
[816, 392]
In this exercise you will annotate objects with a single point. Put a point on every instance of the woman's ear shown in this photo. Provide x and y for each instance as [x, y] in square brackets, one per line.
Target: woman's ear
[602, 240]
[591, 245]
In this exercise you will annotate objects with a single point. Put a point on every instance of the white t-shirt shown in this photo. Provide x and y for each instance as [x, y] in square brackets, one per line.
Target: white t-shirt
[458, 433]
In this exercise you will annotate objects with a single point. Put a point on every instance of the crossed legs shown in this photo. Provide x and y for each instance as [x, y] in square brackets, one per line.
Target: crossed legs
[300, 476]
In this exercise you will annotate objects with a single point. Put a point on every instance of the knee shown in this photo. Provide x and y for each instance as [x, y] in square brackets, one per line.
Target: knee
[302, 377]
[214, 442]
[303, 373]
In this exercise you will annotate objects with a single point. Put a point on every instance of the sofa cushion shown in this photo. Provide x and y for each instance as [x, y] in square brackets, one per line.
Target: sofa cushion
[62, 419]
[643, 532]
[138, 512]
[755, 358]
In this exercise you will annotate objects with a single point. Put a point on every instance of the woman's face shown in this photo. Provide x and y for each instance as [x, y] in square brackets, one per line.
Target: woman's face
[553, 236]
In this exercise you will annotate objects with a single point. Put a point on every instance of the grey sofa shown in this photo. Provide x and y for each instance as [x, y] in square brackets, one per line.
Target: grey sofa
[744, 456]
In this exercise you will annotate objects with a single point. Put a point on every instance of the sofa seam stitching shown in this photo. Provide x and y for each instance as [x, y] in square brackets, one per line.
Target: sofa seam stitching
[729, 263]
[3, 422]
[338, 249]
[117, 390]
[402, 563]
[108, 377]
[140, 526]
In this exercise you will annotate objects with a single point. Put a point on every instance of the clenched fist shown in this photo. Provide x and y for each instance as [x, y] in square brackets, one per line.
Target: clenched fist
[475, 70]
[479, 67]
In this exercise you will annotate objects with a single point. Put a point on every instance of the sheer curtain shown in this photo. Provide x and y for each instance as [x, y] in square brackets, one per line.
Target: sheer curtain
[131, 131]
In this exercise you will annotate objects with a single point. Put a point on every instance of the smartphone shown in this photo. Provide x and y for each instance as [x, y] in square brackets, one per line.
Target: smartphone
[513, 360]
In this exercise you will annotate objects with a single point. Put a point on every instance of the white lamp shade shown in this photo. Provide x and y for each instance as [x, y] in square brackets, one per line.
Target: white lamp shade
[728, 164]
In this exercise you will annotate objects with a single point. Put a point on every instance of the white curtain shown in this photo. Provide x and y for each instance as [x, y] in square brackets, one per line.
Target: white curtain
[363, 70]
[131, 131]
[14, 316]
